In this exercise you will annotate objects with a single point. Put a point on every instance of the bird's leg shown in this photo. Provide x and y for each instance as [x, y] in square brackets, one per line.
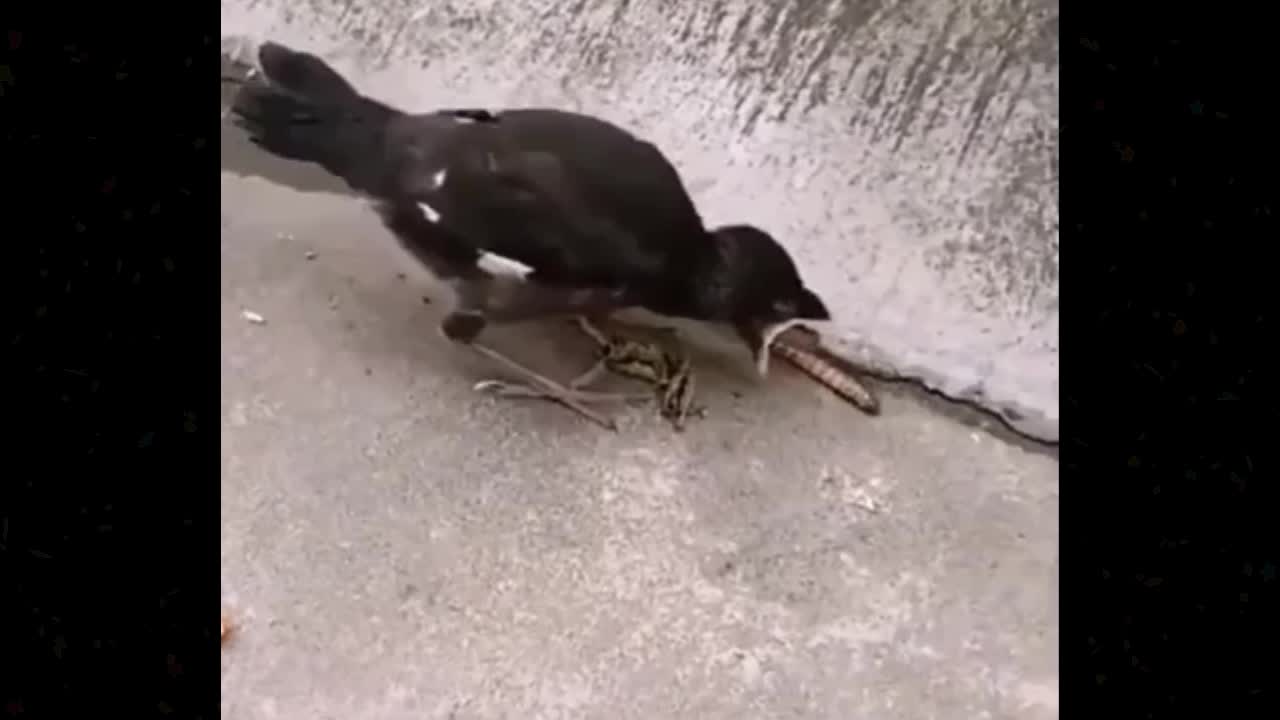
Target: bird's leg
[608, 349]
[593, 373]
[578, 384]
[463, 326]
[616, 354]
[671, 374]
[588, 327]
[540, 387]
[636, 359]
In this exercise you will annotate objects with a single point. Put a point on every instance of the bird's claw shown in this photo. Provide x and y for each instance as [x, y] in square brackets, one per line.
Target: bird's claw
[498, 386]
[502, 388]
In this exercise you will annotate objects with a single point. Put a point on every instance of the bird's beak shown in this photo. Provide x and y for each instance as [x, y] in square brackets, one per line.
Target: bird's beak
[760, 333]
[761, 336]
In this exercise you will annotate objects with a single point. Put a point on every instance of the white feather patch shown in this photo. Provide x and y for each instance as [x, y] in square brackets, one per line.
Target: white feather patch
[429, 212]
[437, 180]
[500, 265]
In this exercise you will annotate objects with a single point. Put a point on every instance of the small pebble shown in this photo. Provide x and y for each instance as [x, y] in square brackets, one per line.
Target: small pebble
[426, 300]
[253, 317]
[311, 255]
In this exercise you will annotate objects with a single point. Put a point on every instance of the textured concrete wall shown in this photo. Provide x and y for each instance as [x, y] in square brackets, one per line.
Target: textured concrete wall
[906, 152]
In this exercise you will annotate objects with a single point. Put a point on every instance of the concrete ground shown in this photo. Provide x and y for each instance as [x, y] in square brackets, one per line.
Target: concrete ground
[905, 153]
[396, 545]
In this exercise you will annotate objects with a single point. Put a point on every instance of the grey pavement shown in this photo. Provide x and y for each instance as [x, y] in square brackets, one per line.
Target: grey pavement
[397, 545]
[905, 152]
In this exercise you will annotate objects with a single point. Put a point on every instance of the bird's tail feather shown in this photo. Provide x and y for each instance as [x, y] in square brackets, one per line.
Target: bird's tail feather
[306, 111]
[304, 75]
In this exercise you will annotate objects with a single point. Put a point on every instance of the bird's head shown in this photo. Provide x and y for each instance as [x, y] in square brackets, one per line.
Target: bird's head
[756, 287]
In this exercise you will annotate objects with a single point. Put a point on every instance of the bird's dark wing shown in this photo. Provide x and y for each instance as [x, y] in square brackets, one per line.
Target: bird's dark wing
[621, 176]
[575, 199]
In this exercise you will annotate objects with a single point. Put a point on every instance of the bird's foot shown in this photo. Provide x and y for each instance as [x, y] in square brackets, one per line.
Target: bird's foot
[576, 400]
[636, 359]
[539, 386]
[670, 373]
[677, 393]
[503, 388]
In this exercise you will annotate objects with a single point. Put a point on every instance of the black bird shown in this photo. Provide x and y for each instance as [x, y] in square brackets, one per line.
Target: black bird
[528, 213]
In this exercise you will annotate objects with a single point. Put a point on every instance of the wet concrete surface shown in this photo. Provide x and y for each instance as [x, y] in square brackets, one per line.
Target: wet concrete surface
[397, 545]
[906, 152]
